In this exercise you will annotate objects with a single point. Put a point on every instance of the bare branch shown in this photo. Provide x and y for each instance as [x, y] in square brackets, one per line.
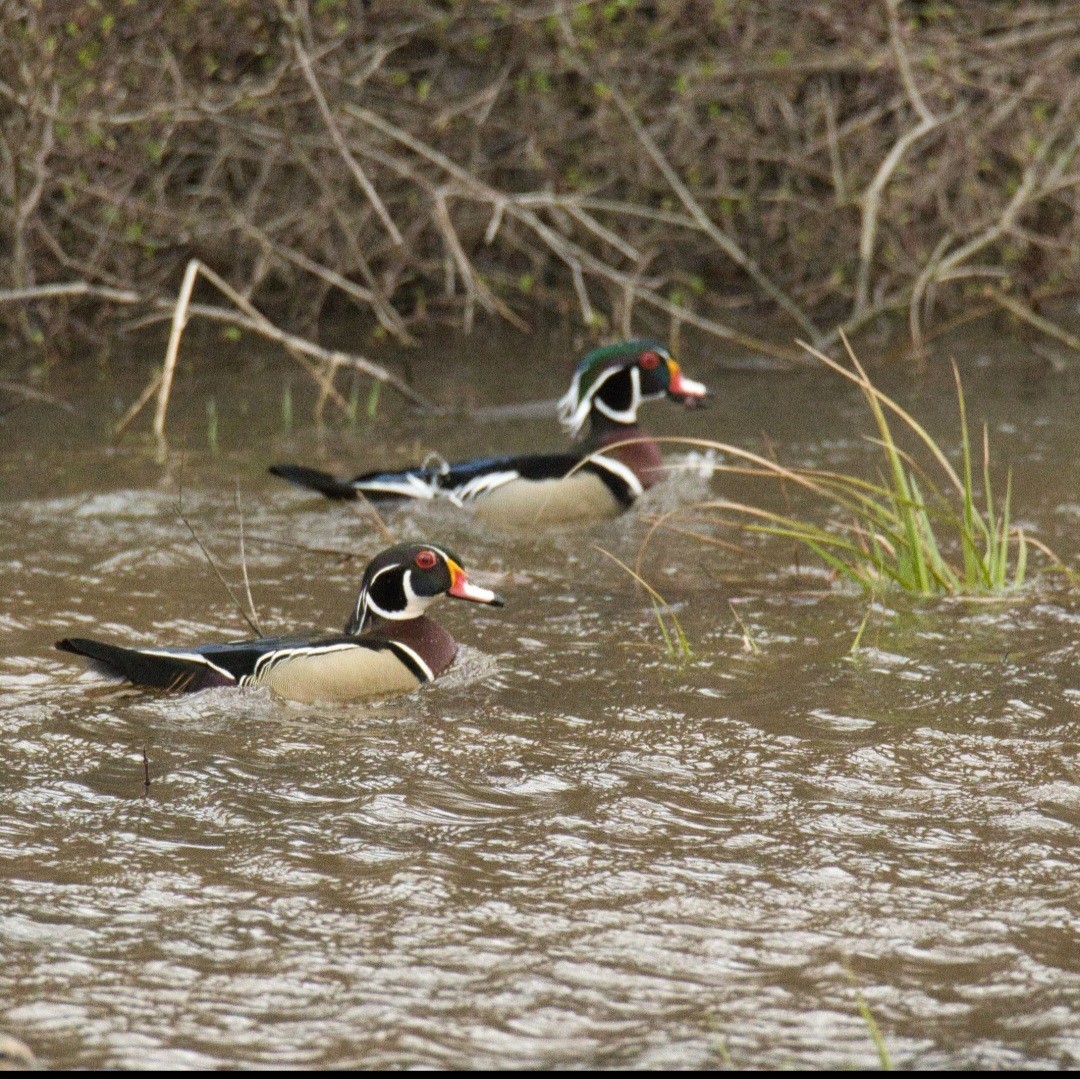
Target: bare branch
[354, 167]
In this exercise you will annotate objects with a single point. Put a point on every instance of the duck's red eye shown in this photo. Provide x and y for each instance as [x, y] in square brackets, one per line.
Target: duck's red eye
[426, 559]
[650, 361]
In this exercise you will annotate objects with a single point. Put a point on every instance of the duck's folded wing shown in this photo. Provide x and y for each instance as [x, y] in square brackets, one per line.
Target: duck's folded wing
[172, 669]
[473, 479]
[464, 481]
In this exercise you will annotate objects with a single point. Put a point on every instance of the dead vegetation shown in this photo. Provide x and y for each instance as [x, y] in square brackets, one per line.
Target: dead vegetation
[702, 162]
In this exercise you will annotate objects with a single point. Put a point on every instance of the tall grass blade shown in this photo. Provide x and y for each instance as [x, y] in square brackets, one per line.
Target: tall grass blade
[1003, 533]
[682, 647]
[1021, 558]
[286, 408]
[212, 425]
[875, 1031]
[854, 649]
[373, 399]
[668, 646]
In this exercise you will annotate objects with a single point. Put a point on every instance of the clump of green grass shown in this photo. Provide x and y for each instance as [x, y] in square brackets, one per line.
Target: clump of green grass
[901, 526]
[925, 530]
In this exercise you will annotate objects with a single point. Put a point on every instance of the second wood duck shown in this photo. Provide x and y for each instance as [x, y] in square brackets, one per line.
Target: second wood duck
[525, 490]
[389, 644]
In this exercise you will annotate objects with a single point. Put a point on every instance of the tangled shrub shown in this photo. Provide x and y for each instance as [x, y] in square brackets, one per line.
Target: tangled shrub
[827, 162]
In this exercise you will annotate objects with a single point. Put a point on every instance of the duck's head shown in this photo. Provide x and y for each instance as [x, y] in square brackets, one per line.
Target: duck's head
[613, 381]
[403, 581]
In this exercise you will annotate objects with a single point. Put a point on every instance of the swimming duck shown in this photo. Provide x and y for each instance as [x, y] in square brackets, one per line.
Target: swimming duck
[607, 390]
[389, 644]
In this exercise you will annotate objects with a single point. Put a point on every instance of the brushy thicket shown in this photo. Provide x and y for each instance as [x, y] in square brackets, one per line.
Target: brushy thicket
[820, 160]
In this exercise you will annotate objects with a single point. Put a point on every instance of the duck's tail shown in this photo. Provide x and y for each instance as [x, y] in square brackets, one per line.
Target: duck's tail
[314, 480]
[161, 670]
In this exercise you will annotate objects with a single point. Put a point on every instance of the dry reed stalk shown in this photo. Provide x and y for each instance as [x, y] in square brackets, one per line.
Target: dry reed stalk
[179, 321]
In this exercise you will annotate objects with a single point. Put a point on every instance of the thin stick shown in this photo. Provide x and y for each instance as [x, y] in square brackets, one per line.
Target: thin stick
[713, 541]
[138, 405]
[243, 556]
[749, 644]
[253, 319]
[380, 524]
[335, 134]
[637, 576]
[565, 249]
[30, 394]
[255, 628]
[1022, 311]
[67, 288]
[658, 603]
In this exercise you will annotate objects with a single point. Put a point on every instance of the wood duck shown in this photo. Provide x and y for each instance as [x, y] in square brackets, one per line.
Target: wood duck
[389, 644]
[608, 387]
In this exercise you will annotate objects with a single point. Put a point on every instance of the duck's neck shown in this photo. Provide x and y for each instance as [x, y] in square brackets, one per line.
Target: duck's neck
[641, 454]
[603, 430]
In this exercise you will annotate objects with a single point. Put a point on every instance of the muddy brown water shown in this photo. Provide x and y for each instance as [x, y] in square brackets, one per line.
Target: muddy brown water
[572, 850]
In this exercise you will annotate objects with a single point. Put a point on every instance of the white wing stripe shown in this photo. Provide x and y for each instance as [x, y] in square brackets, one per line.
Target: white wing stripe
[482, 484]
[264, 664]
[409, 486]
[194, 657]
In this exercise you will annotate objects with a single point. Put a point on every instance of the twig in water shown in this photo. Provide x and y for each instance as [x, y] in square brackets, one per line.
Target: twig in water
[252, 623]
[146, 772]
[373, 513]
[138, 405]
[30, 394]
[254, 320]
[243, 555]
[1022, 311]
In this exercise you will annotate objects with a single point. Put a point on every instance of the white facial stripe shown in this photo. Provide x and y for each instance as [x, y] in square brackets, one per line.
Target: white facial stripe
[627, 415]
[624, 472]
[442, 550]
[195, 657]
[360, 612]
[573, 418]
[414, 605]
